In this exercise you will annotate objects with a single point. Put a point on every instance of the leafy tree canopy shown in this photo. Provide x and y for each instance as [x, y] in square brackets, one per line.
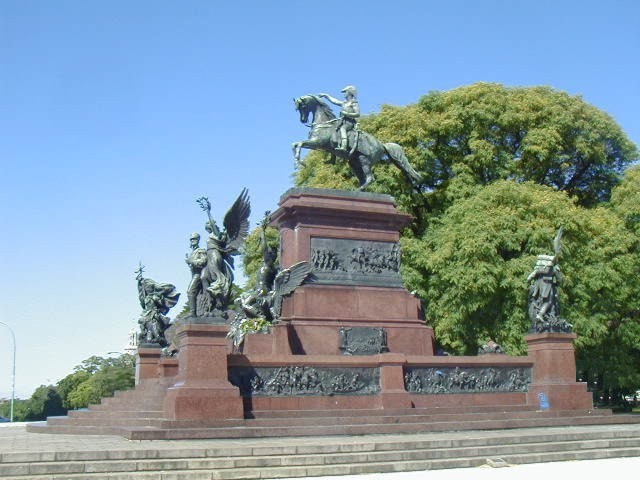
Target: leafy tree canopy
[625, 199]
[95, 378]
[101, 384]
[44, 402]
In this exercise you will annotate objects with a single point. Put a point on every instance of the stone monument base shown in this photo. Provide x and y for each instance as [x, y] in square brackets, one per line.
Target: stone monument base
[320, 318]
[356, 303]
[351, 349]
[554, 384]
[200, 388]
[264, 381]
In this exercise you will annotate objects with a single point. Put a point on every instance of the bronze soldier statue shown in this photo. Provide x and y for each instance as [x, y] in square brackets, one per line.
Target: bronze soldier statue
[349, 113]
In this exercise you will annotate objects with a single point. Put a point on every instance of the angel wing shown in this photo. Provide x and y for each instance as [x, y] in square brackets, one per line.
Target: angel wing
[286, 282]
[236, 221]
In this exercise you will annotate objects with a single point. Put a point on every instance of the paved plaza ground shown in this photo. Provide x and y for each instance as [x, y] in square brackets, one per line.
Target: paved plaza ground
[15, 438]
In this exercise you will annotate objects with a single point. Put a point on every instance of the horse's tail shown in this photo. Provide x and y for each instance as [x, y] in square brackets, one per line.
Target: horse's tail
[397, 156]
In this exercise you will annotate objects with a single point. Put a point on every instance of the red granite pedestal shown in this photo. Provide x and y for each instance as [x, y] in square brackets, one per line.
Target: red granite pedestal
[315, 220]
[201, 389]
[350, 353]
[554, 373]
[147, 363]
[351, 240]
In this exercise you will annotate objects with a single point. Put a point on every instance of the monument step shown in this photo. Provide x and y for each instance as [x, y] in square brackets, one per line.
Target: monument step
[292, 460]
[67, 429]
[342, 418]
[105, 421]
[368, 428]
[418, 418]
[131, 400]
[379, 417]
[115, 413]
[128, 406]
[394, 411]
[326, 445]
[150, 427]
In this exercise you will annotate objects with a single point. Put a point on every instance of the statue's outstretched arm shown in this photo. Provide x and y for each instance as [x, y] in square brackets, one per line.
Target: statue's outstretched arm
[333, 100]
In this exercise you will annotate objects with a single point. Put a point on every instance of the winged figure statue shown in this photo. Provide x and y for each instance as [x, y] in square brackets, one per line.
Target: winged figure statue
[212, 267]
[262, 306]
[286, 281]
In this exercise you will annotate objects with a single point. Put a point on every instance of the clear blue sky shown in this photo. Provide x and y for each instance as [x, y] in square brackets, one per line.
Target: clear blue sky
[116, 115]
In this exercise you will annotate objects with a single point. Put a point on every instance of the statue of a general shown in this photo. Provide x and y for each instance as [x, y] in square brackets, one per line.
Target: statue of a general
[341, 136]
[349, 113]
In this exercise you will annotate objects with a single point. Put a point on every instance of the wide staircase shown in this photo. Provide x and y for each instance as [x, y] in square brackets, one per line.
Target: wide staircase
[138, 415]
[289, 444]
[292, 457]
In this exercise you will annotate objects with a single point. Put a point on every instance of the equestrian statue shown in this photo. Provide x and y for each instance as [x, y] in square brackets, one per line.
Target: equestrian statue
[341, 137]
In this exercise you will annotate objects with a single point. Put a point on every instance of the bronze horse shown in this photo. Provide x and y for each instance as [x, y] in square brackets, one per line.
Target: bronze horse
[364, 149]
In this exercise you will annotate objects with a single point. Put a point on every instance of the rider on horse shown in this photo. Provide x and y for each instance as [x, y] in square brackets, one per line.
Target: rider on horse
[349, 113]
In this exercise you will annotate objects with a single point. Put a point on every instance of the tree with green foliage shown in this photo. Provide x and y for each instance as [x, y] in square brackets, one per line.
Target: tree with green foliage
[19, 409]
[502, 169]
[101, 384]
[45, 402]
[611, 353]
[625, 199]
[70, 383]
[95, 378]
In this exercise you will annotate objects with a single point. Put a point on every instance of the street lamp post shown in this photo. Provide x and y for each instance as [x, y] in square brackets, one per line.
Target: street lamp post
[13, 370]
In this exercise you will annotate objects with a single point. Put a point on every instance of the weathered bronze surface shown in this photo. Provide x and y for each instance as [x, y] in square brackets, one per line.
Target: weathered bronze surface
[467, 379]
[356, 262]
[343, 139]
[363, 340]
[305, 381]
[209, 293]
[544, 304]
[156, 299]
